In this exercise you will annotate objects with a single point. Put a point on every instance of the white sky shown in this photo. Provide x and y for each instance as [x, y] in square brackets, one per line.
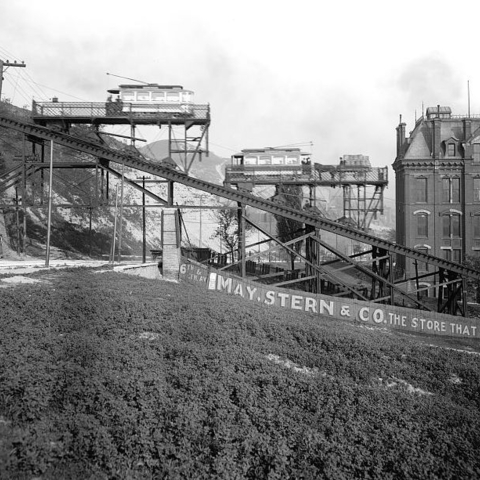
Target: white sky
[336, 73]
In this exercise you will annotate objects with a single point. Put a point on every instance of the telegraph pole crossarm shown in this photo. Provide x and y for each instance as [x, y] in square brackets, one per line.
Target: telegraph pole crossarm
[4, 66]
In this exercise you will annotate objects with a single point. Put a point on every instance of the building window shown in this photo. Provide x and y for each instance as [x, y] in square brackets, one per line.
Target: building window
[422, 266]
[452, 255]
[476, 231]
[476, 189]
[422, 225]
[421, 190]
[450, 190]
[476, 152]
[451, 150]
[447, 254]
[451, 226]
[476, 226]
[457, 255]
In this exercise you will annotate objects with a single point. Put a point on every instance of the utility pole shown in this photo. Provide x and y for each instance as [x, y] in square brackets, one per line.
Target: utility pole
[3, 67]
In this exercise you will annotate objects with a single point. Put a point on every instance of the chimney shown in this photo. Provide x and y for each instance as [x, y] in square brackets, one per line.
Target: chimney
[401, 139]
[467, 128]
[436, 135]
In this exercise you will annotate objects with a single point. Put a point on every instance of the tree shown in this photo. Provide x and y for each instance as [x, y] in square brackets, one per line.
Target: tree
[227, 230]
[287, 229]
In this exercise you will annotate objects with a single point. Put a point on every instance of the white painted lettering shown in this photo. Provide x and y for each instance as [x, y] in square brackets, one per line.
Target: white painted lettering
[283, 298]
[270, 298]
[224, 284]
[362, 312]
[310, 304]
[326, 306]
[212, 281]
[251, 291]
[238, 290]
[296, 302]
[378, 316]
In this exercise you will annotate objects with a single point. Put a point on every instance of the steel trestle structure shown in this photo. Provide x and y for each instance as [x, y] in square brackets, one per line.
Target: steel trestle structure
[449, 277]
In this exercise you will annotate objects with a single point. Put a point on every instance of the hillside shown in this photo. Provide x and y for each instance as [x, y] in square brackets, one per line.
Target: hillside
[105, 376]
[211, 168]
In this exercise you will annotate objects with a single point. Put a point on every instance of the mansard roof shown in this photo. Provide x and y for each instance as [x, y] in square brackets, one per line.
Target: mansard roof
[420, 144]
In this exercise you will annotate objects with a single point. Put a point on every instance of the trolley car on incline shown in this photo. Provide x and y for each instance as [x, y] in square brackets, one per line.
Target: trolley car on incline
[292, 166]
[268, 163]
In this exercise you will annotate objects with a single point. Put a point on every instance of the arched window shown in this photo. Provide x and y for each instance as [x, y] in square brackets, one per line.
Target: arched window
[421, 219]
[422, 266]
[425, 288]
[422, 225]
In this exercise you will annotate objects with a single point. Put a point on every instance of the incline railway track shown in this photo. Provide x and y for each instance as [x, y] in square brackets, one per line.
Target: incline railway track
[102, 152]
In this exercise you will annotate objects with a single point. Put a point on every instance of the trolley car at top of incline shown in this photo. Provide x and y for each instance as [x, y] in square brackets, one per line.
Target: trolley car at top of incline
[153, 98]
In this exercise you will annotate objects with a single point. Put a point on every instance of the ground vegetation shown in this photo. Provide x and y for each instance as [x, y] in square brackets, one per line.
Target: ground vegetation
[108, 376]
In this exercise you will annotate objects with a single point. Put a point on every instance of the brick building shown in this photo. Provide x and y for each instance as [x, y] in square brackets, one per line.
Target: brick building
[437, 184]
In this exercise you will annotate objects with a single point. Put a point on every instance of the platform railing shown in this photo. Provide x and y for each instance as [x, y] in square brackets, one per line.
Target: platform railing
[299, 173]
[47, 110]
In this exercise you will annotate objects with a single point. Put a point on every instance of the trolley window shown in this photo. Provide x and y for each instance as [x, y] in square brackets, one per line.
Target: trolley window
[158, 96]
[264, 160]
[278, 160]
[250, 160]
[292, 160]
[173, 97]
[143, 96]
[128, 96]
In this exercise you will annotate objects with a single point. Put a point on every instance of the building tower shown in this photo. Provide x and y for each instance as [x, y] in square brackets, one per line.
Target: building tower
[437, 184]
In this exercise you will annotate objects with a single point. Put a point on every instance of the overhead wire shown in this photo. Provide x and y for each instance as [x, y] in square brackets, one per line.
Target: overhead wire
[16, 87]
[20, 74]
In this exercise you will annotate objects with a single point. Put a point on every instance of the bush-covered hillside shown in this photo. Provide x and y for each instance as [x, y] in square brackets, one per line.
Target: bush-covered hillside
[104, 375]
[82, 224]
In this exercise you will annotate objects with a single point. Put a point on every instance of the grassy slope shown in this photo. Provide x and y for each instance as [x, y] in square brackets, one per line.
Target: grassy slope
[104, 375]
